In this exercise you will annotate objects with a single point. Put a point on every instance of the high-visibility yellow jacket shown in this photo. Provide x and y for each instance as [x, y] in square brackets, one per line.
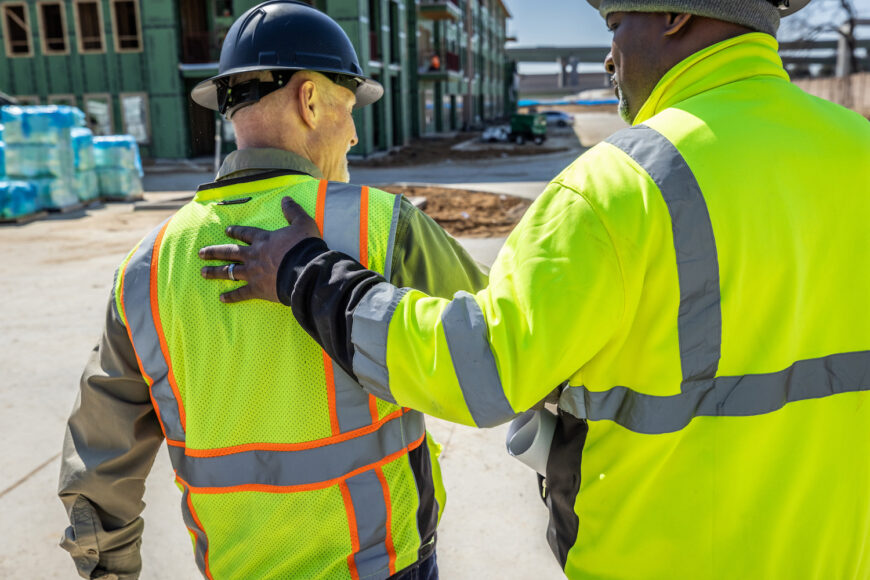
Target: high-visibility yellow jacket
[701, 283]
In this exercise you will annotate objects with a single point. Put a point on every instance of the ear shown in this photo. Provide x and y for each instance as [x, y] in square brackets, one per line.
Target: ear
[309, 101]
[677, 23]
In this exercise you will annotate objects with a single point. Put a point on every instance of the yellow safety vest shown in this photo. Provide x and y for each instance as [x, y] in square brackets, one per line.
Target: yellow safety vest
[701, 282]
[288, 468]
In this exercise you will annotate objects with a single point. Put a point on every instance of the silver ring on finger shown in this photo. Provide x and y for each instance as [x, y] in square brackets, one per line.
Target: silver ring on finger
[231, 273]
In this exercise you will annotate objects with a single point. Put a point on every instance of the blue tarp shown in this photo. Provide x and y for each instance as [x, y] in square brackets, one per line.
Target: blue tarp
[556, 102]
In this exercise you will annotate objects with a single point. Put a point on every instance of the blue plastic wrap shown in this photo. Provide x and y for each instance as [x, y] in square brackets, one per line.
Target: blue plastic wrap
[119, 183]
[118, 152]
[17, 199]
[2, 160]
[29, 160]
[83, 149]
[55, 193]
[87, 185]
[39, 124]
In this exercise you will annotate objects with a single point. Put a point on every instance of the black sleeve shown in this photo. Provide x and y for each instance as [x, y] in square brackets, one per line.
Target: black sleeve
[323, 287]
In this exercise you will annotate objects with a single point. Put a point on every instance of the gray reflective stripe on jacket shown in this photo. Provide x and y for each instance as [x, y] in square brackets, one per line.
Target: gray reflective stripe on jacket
[700, 315]
[303, 467]
[700, 324]
[467, 338]
[723, 396]
[141, 322]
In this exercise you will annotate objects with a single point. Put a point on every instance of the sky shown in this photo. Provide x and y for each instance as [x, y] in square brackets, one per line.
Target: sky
[576, 23]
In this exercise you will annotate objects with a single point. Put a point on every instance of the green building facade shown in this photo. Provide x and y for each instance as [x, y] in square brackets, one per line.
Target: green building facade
[130, 65]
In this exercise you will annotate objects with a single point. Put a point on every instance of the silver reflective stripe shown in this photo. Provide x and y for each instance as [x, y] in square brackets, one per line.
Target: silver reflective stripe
[351, 401]
[300, 467]
[391, 243]
[723, 396]
[200, 548]
[371, 324]
[140, 321]
[468, 340]
[341, 217]
[372, 559]
[700, 314]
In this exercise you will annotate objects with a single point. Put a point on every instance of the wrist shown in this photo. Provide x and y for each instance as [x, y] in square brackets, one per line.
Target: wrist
[294, 263]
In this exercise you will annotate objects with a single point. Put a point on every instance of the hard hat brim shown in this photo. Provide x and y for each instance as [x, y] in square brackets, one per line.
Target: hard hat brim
[794, 6]
[205, 93]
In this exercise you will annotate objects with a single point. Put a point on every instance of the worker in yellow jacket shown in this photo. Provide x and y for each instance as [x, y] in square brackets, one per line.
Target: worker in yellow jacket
[287, 468]
[697, 286]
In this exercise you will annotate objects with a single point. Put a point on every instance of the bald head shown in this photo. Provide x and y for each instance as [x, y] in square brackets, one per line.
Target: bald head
[646, 45]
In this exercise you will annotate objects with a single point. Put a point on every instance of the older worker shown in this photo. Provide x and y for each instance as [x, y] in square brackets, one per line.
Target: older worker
[288, 469]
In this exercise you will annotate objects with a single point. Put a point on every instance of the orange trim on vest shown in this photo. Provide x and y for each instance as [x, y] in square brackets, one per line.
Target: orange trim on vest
[155, 313]
[391, 549]
[364, 227]
[354, 533]
[330, 393]
[311, 486]
[198, 523]
[373, 408]
[221, 451]
[320, 211]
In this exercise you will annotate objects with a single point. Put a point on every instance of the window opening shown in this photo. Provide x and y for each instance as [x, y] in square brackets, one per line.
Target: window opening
[52, 23]
[128, 37]
[89, 20]
[16, 25]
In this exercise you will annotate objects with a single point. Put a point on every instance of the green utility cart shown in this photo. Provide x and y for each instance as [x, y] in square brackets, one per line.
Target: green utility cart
[528, 127]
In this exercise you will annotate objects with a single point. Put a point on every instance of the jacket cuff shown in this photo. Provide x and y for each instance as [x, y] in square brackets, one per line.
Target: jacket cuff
[294, 263]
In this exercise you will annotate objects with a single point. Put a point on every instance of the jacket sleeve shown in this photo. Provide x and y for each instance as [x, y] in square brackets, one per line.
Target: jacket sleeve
[111, 440]
[555, 298]
[431, 260]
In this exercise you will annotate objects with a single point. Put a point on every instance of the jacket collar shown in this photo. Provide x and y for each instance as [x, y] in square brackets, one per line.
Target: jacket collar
[732, 60]
[247, 162]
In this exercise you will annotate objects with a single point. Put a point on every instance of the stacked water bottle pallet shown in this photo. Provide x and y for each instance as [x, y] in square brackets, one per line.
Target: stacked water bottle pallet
[50, 161]
[119, 168]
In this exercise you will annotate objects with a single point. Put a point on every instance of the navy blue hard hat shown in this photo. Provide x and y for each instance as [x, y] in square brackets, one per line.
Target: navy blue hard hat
[283, 36]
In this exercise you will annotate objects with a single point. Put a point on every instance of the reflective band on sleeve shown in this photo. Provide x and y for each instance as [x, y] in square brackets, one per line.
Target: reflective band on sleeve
[467, 338]
[391, 244]
[317, 467]
[371, 324]
[723, 396]
[143, 333]
[372, 560]
[700, 314]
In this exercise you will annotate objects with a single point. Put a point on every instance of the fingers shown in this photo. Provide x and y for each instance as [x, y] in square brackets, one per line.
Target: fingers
[223, 272]
[292, 210]
[245, 233]
[225, 253]
[238, 295]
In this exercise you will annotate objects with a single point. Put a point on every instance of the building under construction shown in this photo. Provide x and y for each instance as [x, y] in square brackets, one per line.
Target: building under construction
[130, 64]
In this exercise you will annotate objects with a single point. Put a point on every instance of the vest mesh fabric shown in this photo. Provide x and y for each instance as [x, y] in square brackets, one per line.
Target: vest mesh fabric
[248, 375]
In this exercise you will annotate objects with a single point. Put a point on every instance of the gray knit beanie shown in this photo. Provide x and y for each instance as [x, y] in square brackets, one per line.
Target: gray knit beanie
[758, 15]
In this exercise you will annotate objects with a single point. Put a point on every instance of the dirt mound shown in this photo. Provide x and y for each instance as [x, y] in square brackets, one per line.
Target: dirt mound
[465, 213]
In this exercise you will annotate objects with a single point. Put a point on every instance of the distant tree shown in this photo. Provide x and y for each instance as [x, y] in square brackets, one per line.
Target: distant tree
[823, 19]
